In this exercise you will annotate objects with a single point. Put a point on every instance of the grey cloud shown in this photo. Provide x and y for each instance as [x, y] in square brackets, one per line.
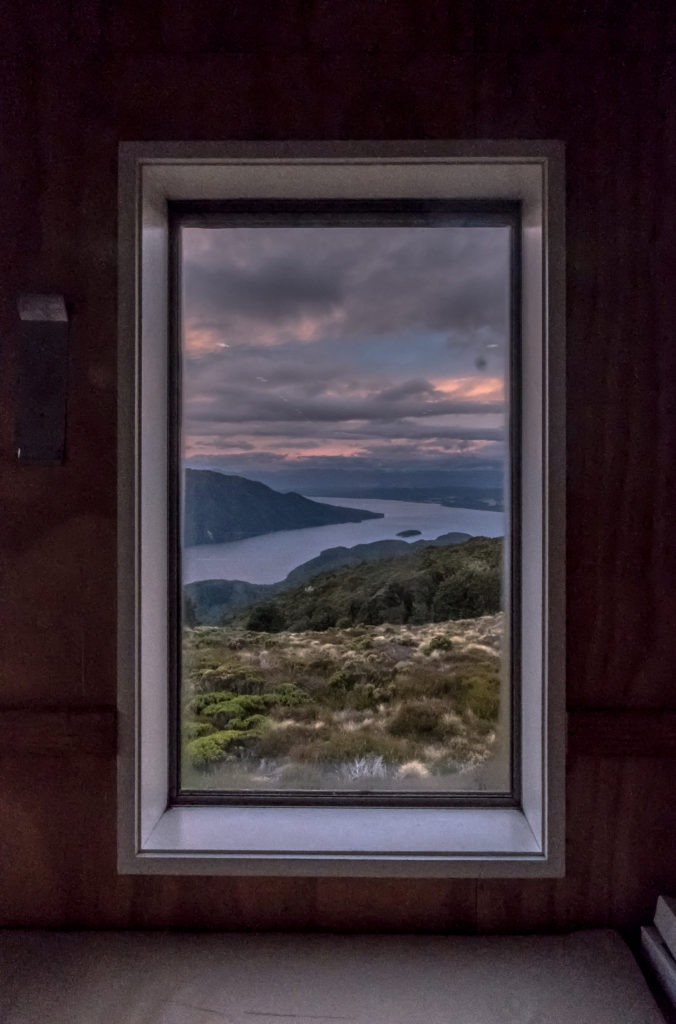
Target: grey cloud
[379, 280]
[240, 406]
[322, 432]
[344, 466]
[390, 317]
[406, 389]
[279, 289]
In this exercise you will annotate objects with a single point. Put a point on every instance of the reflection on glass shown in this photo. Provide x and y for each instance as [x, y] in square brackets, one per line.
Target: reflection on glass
[344, 442]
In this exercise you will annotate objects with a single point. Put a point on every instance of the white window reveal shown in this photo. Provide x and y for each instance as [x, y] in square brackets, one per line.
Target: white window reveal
[341, 508]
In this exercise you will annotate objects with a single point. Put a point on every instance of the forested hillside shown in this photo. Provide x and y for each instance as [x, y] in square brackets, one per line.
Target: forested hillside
[212, 602]
[434, 584]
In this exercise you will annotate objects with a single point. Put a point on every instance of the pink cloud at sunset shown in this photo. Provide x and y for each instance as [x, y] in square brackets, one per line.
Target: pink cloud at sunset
[319, 346]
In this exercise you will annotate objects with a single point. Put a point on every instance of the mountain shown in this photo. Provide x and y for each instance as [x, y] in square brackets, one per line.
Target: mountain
[209, 602]
[221, 508]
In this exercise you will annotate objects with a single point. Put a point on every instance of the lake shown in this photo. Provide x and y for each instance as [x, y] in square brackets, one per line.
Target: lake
[270, 557]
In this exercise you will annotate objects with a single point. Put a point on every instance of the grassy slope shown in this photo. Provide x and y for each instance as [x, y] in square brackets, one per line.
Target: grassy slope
[383, 706]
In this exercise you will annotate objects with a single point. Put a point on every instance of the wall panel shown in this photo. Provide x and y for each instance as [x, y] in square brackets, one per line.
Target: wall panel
[78, 77]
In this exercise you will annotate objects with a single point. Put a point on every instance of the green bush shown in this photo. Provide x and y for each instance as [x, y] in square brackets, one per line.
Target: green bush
[204, 700]
[232, 712]
[208, 751]
[193, 730]
[251, 724]
[342, 680]
[288, 695]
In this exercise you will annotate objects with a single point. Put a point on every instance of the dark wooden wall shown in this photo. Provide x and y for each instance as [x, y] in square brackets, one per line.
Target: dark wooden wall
[79, 76]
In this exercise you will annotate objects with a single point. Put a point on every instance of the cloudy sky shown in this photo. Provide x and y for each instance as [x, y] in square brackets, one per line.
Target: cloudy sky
[340, 349]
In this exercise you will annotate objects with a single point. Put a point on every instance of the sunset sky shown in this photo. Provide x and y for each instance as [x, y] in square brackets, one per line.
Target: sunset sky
[339, 350]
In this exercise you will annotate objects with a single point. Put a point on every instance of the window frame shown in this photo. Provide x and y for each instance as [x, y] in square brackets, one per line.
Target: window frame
[464, 213]
[155, 835]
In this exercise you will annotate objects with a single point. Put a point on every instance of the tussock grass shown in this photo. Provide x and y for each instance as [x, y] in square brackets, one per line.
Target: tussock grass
[385, 702]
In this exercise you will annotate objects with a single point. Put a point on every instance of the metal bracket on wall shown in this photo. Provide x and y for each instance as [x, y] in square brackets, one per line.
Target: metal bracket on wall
[40, 422]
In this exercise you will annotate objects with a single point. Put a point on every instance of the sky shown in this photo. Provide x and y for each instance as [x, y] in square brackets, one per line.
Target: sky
[338, 353]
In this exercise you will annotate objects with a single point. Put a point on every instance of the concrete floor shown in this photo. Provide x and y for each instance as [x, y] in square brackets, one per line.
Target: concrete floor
[184, 978]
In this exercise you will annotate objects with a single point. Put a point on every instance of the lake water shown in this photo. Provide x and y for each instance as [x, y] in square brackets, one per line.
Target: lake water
[270, 557]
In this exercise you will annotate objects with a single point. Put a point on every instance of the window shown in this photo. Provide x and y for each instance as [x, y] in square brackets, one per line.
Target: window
[341, 464]
[426, 737]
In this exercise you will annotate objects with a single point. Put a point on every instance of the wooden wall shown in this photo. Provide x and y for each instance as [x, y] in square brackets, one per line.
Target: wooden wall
[79, 76]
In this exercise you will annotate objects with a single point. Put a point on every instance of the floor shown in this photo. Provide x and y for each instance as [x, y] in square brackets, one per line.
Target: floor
[183, 978]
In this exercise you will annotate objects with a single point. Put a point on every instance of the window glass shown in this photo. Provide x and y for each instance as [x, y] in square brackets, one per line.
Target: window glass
[346, 408]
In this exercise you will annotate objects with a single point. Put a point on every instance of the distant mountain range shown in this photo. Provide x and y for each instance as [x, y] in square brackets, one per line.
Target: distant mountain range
[220, 508]
[342, 477]
[489, 499]
[209, 602]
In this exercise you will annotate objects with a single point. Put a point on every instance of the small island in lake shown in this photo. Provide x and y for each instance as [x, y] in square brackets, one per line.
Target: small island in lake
[409, 533]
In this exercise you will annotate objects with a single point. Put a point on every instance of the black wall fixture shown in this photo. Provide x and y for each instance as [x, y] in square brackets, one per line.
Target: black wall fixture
[40, 424]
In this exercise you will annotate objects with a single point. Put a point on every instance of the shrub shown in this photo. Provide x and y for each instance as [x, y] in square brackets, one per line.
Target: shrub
[484, 699]
[426, 681]
[288, 695]
[308, 712]
[422, 720]
[208, 751]
[204, 700]
[245, 680]
[480, 684]
[234, 711]
[363, 768]
[439, 643]
[193, 730]
[322, 619]
[266, 618]
[322, 664]
[342, 680]
[471, 591]
[238, 678]
[365, 697]
[278, 741]
[341, 747]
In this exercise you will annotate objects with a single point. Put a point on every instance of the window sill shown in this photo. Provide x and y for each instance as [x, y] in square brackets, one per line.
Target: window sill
[343, 841]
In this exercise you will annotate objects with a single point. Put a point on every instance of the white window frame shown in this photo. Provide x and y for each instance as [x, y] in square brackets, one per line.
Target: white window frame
[154, 837]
